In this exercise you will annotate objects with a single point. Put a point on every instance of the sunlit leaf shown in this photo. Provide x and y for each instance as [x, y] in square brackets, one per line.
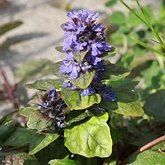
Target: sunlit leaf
[65, 161]
[160, 146]
[75, 101]
[84, 80]
[91, 138]
[148, 158]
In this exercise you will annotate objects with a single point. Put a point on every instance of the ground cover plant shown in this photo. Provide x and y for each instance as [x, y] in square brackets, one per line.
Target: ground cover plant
[90, 112]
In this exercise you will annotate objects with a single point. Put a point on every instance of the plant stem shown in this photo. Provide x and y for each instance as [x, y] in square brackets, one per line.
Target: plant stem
[151, 144]
[145, 147]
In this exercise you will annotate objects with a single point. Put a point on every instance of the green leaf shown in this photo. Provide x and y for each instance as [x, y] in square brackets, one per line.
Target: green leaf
[46, 84]
[114, 71]
[110, 3]
[65, 161]
[35, 119]
[130, 109]
[59, 49]
[132, 20]
[41, 141]
[77, 102]
[126, 96]
[121, 84]
[21, 137]
[150, 73]
[84, 80]
[9, 26]
[32, 69]
[107, 55]
[162, 10]
[55, 150]
[55, 68]
[91, 138]
[7, 119]
[73, 117]
[79, 57]
[117, 38]
[144, 137]
[25, 156]
[112, 162]
[118, 18]
[155, 104]
[6, 130]
[160, 146]
[143, 16]
[118, 134]
[147, 158]
[148, 17]
[110, 106]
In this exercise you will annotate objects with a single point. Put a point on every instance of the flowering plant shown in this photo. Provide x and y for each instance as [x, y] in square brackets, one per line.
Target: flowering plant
[75, 115]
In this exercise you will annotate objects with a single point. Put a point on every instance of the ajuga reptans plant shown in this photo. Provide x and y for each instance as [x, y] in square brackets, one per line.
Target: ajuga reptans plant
[74, 114]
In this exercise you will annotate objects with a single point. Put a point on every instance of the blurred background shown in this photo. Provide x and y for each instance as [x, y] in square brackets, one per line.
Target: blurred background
[29, 32]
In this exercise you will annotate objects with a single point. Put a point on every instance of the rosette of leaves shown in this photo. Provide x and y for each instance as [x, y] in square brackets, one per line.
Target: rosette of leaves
[74, 115]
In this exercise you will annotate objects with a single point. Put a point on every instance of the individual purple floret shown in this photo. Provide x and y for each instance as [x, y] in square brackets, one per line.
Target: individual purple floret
[107, 94]
[70, 68]
[73, 68]
[52, 94]
[70, 85]
[88, 91]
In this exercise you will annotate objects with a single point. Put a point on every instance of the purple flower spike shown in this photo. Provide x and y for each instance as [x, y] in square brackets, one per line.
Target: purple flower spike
[85, 37]
[70, 85]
